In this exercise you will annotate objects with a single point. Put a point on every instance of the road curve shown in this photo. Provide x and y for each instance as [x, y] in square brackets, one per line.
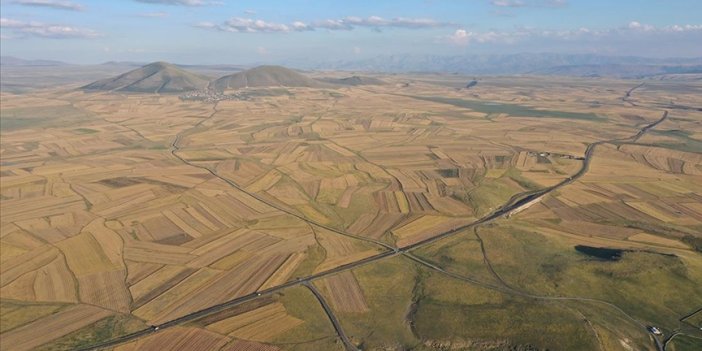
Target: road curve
[348, 345]
[626, 96]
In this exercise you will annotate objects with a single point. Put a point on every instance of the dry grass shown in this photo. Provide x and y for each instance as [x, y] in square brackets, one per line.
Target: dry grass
[178, 339]
[261, 324]
[345, 293]
[96, 209]
[51, 327]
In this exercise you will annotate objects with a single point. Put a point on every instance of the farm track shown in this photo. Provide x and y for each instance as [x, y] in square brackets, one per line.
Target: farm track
[174, 151]
[684, 326]
[512, 291]
[515, 203]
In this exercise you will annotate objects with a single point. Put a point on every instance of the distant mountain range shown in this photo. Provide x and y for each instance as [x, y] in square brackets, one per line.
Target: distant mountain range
[354, 81]
[163, 77]
[550, 64]
[21, 75]
[14, 61]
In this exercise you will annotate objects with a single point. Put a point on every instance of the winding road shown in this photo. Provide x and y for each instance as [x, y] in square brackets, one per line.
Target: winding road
[348, 345]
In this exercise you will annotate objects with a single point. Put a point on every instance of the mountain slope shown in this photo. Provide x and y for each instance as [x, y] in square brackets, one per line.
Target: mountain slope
[266, 76]
[157, 77]
[353, 81]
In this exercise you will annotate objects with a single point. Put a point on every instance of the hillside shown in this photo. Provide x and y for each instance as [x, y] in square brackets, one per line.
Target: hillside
[353, 81]
[266, 76]
[157, 77]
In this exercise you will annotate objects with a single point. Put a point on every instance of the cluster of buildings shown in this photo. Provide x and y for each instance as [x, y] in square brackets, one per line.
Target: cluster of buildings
[211, 96]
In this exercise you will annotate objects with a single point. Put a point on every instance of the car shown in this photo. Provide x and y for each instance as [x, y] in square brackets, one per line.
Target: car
[654, 330]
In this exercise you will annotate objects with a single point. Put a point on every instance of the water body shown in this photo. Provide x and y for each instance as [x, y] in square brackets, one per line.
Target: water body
[600, 252]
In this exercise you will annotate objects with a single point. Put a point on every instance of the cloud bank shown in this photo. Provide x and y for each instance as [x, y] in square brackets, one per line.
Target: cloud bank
[54, 4]
[465, 37]
[43, 30]
[249, 25]
[181, 2]
[529, 3]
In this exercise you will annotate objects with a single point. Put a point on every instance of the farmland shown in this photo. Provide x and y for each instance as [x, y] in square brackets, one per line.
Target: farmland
[126, 211]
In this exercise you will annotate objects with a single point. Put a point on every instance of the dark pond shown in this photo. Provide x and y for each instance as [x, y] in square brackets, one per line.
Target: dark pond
[600, 252]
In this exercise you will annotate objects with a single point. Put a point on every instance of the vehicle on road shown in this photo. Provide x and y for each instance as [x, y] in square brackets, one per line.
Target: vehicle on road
[654, 330]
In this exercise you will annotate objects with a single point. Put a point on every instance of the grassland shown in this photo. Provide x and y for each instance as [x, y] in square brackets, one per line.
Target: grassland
[123, 211]
[510, 109]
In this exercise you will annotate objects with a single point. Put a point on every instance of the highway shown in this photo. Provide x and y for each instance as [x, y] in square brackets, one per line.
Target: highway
[515, 203]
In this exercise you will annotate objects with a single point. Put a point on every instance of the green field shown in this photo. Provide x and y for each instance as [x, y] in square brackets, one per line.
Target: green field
[513, 110]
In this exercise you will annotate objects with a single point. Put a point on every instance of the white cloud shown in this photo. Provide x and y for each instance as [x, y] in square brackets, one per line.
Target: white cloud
[638, 26]
[675, 28]
[10, 23]
[300, 26]
[248, 25]
[206, 25]
[377, 22]
[460, 36]
[464, 37]
[529, 3]
[55, 4]
[152, 14]
[53, 31]
[333, 25]
[684, 28]
[508, 3]
[182, 2]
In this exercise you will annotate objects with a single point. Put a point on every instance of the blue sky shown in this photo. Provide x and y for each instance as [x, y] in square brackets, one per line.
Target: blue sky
[240, 31]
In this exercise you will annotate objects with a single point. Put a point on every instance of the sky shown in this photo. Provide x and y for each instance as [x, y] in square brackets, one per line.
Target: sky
[244, 32]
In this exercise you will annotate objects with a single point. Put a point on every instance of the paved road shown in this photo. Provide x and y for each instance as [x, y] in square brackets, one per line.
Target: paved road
[649, 127]
[520, 200]
[348, 345]
[626, 96]
[513, 204]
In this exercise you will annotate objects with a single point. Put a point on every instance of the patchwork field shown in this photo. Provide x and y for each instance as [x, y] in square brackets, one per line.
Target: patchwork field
[253, 223]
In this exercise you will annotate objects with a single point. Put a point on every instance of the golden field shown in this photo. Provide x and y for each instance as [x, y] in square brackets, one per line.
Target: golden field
[124, 211]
